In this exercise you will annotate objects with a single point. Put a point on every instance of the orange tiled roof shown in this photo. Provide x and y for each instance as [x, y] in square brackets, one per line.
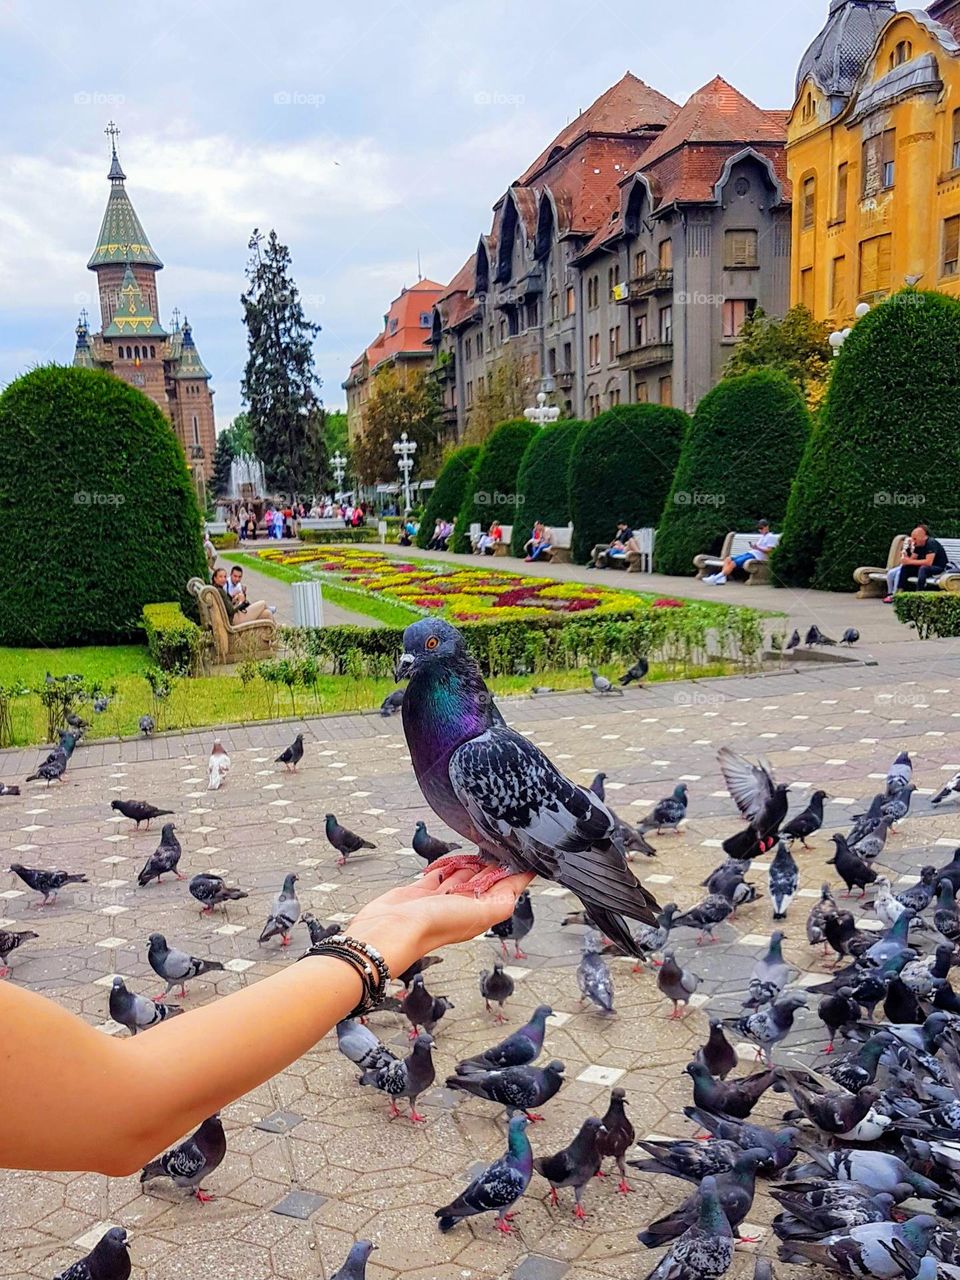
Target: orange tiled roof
[407, 334]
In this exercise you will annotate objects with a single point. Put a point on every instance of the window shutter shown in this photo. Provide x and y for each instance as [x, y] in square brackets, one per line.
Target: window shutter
[884, 256]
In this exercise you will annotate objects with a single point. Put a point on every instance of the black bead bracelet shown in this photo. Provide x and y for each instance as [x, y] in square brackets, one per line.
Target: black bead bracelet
[366, 962]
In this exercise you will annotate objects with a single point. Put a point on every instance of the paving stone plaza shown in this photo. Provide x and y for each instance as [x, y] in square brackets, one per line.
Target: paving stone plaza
[313, 1162]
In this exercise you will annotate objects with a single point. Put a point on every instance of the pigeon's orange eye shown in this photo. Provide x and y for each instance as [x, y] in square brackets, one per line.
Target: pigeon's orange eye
[432, 642]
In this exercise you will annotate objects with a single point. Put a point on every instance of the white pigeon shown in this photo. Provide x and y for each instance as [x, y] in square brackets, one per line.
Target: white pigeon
[888, 909]
[217, 766]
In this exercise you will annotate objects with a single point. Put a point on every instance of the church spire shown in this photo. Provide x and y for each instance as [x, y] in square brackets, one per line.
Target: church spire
[83, 356]
[122, 237]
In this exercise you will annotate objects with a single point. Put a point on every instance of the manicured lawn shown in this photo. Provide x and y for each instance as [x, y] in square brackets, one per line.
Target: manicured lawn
[105, 663]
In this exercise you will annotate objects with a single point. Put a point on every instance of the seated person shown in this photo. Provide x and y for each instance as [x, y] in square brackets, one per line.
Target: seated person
[210, 551]
[759, 550]
[408, 531]
[252, 528]
[489, 540]
[235, 588]
[441, 536]
[248, 612]
[539, 546]
[922, 557]
[621, 544]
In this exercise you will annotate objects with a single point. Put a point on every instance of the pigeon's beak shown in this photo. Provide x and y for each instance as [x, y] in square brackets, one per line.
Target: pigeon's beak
[404, 667]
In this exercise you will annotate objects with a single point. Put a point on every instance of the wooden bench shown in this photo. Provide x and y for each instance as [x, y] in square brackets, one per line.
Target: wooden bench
[636, 561]
[735, 544]
[321, 522]
[503, 547]
[232, 641]
[872, 580]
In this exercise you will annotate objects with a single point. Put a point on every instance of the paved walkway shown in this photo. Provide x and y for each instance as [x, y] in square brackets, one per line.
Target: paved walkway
[311, 1130]
[262, 587]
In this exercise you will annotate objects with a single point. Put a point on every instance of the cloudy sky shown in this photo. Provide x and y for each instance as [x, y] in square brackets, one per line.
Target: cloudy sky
[364, 132]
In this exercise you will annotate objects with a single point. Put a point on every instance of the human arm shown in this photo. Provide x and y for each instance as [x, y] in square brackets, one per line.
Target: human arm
[75, 1098]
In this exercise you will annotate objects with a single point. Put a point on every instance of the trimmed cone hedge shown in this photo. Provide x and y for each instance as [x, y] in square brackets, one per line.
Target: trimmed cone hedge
[886, 454]
[621, 467]
[737, 463]
[446, 497]
[491, 491]
[120, 525]
[542, 481]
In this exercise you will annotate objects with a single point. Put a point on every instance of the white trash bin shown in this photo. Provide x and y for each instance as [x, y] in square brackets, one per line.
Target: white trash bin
[307, 604]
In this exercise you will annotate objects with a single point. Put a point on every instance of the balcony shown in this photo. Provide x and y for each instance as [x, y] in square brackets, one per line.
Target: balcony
[649, 284]
[647, 356]
[196, 451]
[445, 371]
[564, 378]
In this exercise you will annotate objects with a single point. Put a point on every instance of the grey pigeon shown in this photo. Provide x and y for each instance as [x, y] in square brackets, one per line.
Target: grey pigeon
[602, 685]
[771, 970]
[515, 927]
[52, 769]
[597, 787]
[705, 1250]
[919, 896]
[808, 821]
[428, 847]
[147, 725]
[423, 1009]
[794, 641]
[496, 986]
[520, 1047]
[355, 1266]
[850, 636]
[408, 975]
[176, 967]
[718, 1054]
[7, 789]
[851, 869]
[593, 974]
[213, 891]
[406, 1078]
[864, 823]
[343, 839]
[803, 1220]
[825, 906]
[877, 1170]
[870, 845]
[139, 811]
[637, 672]
[759, 797]
[109, 1259]
[49, 883]
[321, 932]
[861, 1251]
[898, 805]
[891, 945]
[392, 703]
[667, 813]
[284, 913]
[617, 1136]
[632, 840]
[575, 1165]
[516, 1088]
[692, 1161]
[165, 858]
[900, 773]
[837, 1113]
[767, 1027]
[784, 877]
[498, 1186]
[193, 1160]
[291, 756]
[781, 1146]
[924, 976]
[950, 789]
[734, 1099]
[10, 939]
[137, 1013]
[677, 984]
[705, 916]
[736, 1189]
[358, 1043]
[497, 789]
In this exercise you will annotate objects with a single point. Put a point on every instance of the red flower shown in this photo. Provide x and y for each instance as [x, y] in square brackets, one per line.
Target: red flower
[578, 605]
[667, 602]
[429, 602]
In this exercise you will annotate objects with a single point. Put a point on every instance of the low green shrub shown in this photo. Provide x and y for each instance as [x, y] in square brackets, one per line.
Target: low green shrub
[932, 613]
[176, 644]
[225, 541]
[322, 537]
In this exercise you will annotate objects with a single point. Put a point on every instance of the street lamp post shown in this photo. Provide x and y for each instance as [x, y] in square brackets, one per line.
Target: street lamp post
[339, 464]
[405, 449]
[543, 412]
[839, 336]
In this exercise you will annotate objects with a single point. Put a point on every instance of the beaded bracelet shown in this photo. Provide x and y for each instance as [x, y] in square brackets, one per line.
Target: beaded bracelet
[367, 963]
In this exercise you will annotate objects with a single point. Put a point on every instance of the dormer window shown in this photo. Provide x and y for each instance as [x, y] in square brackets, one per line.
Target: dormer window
[901, 54]
[392, 327]
[808, 110]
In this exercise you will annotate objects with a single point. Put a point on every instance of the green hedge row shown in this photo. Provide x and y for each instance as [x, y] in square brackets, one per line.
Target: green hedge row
[225, 541]
[446, 497]
[322, 537]
[932, 613]
[542, 481]
[175, 643]
[491, 490]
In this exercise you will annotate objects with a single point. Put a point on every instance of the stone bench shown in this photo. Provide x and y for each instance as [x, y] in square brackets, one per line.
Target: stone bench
[872, 579]
[232, 641]
[735, 544]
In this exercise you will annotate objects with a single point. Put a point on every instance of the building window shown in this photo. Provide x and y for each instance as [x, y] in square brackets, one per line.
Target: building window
[393, 325]
[614, 396]
[838, 283]
[901, 54]
[955, 142]
[468, 348]
[640, 263]
[614, 339]
[571, 301]
[567, 358]
[613, 279]
[808, 110]
[469, 390]
[666, 390]
[640, 331]
[640, 394]
[806, 288]
[665, 260]
[809, 203]
[593, 349]
[551, 360]
[878, 155]
[480, 343]
[951, 246]
[840, 208]
[489, 337]
[503, 329]
[735, 313]
[666, 324]
[593, 293]
[533, 314]
[196, 430]
[875, 264]
[740, 249]
[554, 307]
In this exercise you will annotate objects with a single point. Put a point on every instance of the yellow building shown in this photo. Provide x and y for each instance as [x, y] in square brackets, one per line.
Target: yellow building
[873, 152]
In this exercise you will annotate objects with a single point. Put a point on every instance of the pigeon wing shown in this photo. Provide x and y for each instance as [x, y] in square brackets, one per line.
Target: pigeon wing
[186, 1161]
[750, 784]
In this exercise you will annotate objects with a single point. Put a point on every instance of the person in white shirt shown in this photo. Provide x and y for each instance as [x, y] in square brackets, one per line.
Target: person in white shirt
[759, 550]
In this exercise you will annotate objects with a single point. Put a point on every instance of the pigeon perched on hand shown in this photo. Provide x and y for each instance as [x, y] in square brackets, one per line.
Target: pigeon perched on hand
[784, 878]
[761, 800]
[806, 822]
[358, 1043]
[637, 672]
[137, 1013]
[164, 858]
[519, 1048]
[516, 1088]
[213, 891]
[593, 974]
[669, 812]
[49, 883]
[284, 913]
[575, 1165]
[10, 939]
[291, 756]
[602, 685]
[344, 840]
[109, 1259]
[176, 967]
[496, 986]
[355, 1266]
[705, 1250]
[192, 1161]
[423, 1009]
[676, 983]
[496, 788]
[515, 927]
[139, 811]
[498, 1186]
[392, 703]
[405, 1078]
[428, 847]
[951, 788]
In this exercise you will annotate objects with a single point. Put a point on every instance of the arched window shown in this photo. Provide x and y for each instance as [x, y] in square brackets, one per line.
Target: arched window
[136, 353]
[544, 228]
[153, 352]
[901, 54]
[196, 430]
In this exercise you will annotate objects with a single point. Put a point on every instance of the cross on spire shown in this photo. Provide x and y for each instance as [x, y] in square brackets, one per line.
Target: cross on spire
[113, 133]
[84, 317]
[176, 318]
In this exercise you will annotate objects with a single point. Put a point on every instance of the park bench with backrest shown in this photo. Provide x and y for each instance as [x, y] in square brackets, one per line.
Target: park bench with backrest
[232, 641]
[735, 544]
[872, 579]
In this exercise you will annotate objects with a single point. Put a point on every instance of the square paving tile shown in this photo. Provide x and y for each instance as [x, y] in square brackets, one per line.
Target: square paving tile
[279, 1122]
[299, 1204]
[595, 1074]
[239, 966]
[536, 1267]
[111, 942]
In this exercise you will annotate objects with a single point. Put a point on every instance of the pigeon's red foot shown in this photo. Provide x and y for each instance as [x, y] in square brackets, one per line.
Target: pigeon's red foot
[504, 1224]
[4, 971]
[578, 1211]
[500, 1019]
[485, 879]
[180, 877]
[533, 1116]
[285, 940]
[748, 1239]
[599, 1174]
[518, 954]
[394, 1111]
[624, 1187]
[828, 1049]
[416, 1117]
[451, 862]
[554, 1198]
[160, 997]
[203, 1196]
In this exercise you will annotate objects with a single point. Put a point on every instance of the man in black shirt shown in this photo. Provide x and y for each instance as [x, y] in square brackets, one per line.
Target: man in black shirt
[928, 559]
[619, 545]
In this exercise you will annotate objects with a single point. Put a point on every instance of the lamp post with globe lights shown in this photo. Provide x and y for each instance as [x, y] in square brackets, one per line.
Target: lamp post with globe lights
[339, 464]
[542, 413]
[405, 449]
[839, 336]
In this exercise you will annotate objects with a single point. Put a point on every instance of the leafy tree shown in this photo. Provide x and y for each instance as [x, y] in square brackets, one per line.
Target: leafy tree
[501, 398]
[279, 382]
[491, 491]
[223, 456]
[397, 404]
[446, 496]
[795, 345]
[739, 457]
[239, 434]
[335, 431]
[542, 480]
[886, 452]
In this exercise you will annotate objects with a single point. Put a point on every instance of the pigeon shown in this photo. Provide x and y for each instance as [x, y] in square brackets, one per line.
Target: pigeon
[633, 840]
[355, 1266]
[705, 1250]
[736, 1189]
[516, 1088]
[137, 1013]
[358, 1043]
[405, 1078]
[423, 1009]
[946, 918]
[408, 975]
[829, 1209]
[891, 947]
[517, 1049]
[761, 800]
[496, 986]
[195, 1158]
[52, 769]
[815, 636]
[139, 811]
[498, 1186]
[10, 939]
[597, 787]
[876, 1170]
[728, 1098]
[951, 788]
[728, 881]
[213, 891]
[705, 916]
[593, 974]
[176, 967]
[218, 766]
[793, 642]
[496, 788]
[862, 1250]
[951, 871]
[900, 773]
[925, 976]
[637, 672]
[109, 1259]
[669, 812]
[343, 840]
[817, 917]
[839, 1011]
[771, 970]
[809, 821]
[767, 1027]
[888, 908]
[164, 858]
[428, 847]
[870, 845]
[49, 883]
[850, 636]
[515, 927]
[718, 1054]
[784, 877]
[855, 1071]
[575, 1165]
[839, 1113]
[781, 1146]
[677, 984]
[919, 896]
[851, 869]
[901, 1005]
[864, 823]
[601, 684]
[291, 756]
[392, 703]
[896, 808]
[617, 1136]
[7, 789]
[147, 725]
[691, 1161]
[284, 913]
[843, 936]
[100, 704]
